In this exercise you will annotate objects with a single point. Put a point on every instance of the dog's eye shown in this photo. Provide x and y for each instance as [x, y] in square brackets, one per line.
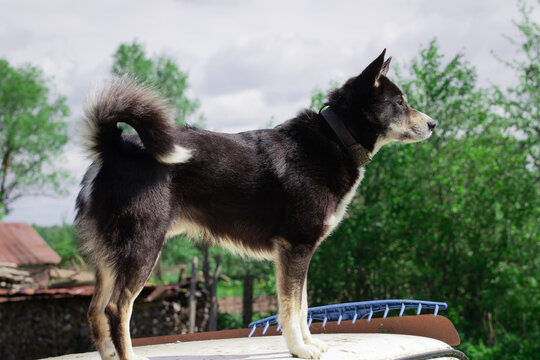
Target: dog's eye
[400, 101]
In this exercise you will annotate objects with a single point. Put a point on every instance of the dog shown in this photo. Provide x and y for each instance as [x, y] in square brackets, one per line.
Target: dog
[272, 193]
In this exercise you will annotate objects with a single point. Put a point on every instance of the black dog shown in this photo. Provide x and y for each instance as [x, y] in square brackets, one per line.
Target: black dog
[272, 194]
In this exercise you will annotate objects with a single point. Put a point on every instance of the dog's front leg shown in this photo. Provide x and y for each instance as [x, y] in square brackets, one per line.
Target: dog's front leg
[291, 270]
[306, 334]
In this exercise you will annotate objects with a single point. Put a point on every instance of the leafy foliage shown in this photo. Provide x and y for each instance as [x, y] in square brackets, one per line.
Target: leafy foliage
[318, 96]
[228, 321]
[161, 72]
[180, 250]
[33, 133]
[451, 219]
[62, 239]
[521, 103]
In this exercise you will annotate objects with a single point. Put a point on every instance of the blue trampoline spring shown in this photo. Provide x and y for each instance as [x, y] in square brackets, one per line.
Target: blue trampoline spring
[355, 310]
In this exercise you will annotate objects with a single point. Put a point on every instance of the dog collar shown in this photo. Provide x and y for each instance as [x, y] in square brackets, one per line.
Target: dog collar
[359, 153]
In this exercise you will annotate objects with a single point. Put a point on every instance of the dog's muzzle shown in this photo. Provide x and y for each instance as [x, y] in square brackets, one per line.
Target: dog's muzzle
[429, 121]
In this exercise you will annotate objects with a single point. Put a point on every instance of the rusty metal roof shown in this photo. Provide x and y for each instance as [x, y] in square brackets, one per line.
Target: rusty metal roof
[12, 295]
[9, 295]
[21, 244]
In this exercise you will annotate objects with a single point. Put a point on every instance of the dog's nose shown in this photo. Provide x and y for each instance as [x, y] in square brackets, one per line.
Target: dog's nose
[432, 123]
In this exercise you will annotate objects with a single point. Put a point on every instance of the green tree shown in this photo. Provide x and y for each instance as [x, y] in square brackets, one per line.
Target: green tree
[161, 72]
[318, 96]
[522, 102]
[453, 218]
[33, 133]
[63, 239]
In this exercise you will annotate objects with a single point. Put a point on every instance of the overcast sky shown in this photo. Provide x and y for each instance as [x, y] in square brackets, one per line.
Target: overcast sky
[247, 60]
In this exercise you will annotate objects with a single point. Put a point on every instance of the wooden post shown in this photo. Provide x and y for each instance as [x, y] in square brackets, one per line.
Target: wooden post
[192, 299]
[212, 321]
[158, 270]
[206, 267]
[181, 274]
[247, 300]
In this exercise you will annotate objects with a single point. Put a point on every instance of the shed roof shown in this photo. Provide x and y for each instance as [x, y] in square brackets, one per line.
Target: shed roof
[21, 244]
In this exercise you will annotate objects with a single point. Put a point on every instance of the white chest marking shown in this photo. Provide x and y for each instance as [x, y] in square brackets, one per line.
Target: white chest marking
[333, 219]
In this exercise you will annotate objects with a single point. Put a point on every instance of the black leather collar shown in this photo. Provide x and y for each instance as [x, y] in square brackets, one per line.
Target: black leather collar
[359, 153]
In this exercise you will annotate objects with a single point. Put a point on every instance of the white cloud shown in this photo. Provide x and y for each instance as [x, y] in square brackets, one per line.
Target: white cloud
[247, 60]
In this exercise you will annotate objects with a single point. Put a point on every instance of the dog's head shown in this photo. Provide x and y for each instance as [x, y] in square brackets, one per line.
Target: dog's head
[376, 111]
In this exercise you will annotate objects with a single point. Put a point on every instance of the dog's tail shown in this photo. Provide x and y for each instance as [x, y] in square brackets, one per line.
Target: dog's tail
[125, 100]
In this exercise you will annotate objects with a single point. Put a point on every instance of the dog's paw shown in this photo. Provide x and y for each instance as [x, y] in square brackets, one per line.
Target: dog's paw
[304, 351]
[111, 355]
[320, 345]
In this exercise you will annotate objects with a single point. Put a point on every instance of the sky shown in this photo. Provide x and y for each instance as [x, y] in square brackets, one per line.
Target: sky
[248, 61]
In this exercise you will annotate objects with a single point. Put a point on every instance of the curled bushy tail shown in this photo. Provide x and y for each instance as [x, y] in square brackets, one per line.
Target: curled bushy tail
[125, 100]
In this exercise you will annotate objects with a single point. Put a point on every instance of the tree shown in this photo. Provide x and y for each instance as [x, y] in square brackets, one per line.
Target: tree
[452, 219]
[318, 96]
[521, 103]
[33, 133]
[63, 239]
[161, 72]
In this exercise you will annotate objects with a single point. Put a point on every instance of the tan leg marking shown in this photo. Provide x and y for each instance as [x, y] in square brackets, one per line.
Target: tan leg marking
[289, 299]
[119, 312]
[306, 334]
[99, 324]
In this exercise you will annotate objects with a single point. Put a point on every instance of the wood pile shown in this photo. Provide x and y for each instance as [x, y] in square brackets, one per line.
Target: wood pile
[44, 277]
[12, 277]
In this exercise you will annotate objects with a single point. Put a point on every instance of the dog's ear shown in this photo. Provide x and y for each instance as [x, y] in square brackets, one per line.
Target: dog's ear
[373, 71]
[386, 66]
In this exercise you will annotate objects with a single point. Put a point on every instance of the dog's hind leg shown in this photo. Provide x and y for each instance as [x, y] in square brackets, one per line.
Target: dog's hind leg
[133, 270]
[99, 324]
[291, 270]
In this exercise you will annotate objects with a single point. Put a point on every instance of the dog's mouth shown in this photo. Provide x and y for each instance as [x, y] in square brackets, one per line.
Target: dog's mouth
[423, 132]
[414, 133]
[420, 128]
[414, 136]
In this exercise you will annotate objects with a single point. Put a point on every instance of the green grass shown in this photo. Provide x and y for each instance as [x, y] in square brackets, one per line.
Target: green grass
[232, 288]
